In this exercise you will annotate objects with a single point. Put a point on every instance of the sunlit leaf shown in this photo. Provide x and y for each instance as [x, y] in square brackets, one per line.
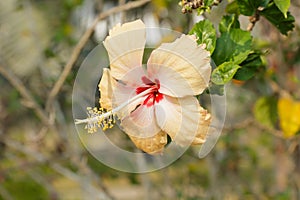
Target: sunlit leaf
[206, 34]
[277, 18]
[289, 120]
[224, 73]
[265, 111]
[283, 6]
[233, 46]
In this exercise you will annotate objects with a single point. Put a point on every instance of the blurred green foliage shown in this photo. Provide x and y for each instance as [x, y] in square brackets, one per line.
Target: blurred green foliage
[21, 186]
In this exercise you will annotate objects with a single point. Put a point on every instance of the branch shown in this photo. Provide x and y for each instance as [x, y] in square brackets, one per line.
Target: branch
[253, 19]
[25, 93]
[82, 42]
[122, 14]
[252, 122]
[87, 172]
[277, 89]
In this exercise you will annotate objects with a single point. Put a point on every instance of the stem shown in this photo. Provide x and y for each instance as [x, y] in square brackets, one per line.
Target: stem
[253, 19]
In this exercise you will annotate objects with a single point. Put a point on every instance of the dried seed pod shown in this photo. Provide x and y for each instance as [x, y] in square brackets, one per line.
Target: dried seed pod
[189, 5]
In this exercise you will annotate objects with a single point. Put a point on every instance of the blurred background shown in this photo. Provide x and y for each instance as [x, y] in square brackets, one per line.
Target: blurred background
[41, 156]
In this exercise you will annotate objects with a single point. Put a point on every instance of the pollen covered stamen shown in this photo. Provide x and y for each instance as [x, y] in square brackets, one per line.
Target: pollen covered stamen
[98, 118]
[101, 118]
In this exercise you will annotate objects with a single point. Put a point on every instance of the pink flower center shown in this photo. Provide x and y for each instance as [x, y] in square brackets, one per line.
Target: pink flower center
[154, 96]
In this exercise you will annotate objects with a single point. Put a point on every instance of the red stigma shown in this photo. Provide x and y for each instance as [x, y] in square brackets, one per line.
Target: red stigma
[154, 96]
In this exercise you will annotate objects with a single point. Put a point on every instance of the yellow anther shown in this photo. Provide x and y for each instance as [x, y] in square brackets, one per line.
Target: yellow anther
[99, 118]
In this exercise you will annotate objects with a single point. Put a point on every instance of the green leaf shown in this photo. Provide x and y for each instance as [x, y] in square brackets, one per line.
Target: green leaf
[233, 46]
[215, 89]
[283, 6]
[249, 67]
[228, 22]
[246, 7]
[208, 3]
[224, 73]
[277, 18]
[265, 111]
[206, 34]
[249, 7]
[233, 8]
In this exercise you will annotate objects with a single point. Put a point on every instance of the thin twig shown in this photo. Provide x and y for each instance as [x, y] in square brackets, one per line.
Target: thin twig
[87, 172]
[146, 183]
[277, 89]
[82, 42]
[274, 132]
[252, 122]
[240, 125]
[122, 14]
[253, 19]
[25, 93]
[75, 177]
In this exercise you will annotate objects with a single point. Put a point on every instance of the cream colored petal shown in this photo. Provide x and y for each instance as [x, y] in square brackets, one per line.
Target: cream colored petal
[203, 126]
[141, 127]
[182, 67]
[125, 47]
[182, 119]
[141, 122]
[151, 145]
[106, 87]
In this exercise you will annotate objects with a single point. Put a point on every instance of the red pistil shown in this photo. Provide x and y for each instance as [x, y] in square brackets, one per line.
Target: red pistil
[154, 95]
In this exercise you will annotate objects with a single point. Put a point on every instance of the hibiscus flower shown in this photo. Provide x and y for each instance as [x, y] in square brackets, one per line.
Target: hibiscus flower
[157, 99]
